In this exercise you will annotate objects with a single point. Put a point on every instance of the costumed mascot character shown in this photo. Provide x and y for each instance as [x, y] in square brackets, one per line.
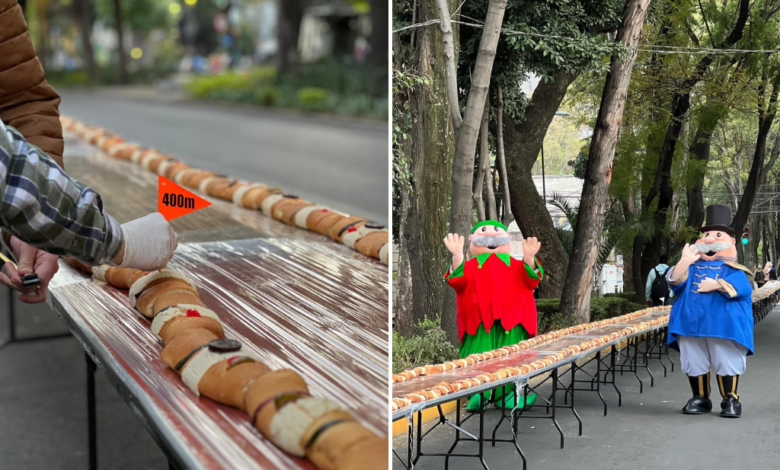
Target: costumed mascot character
[494, 291]
[711, 324]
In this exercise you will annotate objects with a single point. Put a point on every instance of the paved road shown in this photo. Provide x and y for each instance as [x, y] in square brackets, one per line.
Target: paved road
[649, 431]
[341, 163]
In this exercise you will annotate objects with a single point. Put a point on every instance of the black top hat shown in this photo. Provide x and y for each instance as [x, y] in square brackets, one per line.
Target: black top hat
[718, 218]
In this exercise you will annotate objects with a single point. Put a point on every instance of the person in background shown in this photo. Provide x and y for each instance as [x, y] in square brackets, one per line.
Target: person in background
[27, 102]
[48, 214]
[760, 277]
[772, 274]
[657, 291]
[43, 212]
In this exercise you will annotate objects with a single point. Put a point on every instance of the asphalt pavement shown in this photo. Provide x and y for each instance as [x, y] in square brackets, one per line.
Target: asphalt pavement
[648, 431]
[43, 403]
[334, 161]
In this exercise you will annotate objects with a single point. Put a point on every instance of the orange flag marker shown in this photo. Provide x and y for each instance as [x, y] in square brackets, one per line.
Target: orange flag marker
[174, 201]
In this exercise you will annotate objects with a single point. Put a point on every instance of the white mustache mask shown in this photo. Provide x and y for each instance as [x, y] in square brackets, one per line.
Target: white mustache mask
[491, 241]
[712, 247]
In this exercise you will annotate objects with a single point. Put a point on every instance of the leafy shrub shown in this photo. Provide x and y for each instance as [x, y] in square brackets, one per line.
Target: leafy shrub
[266, 96]
[430, 346]
[322, 87]
[339, 77]
[64, 78]
[623, 295]
[550, 317]
[312, 98]
[241, 84]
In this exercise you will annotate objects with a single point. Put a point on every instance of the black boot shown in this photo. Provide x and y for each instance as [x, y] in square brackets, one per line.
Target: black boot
[700, 403]
[730, 406]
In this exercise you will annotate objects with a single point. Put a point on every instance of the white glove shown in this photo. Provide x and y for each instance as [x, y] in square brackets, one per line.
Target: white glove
[149, 243]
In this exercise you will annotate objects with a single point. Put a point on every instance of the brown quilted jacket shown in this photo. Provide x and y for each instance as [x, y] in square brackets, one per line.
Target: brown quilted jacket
[27, 102]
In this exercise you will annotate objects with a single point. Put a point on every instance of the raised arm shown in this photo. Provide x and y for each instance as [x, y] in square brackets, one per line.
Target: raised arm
[680, 272]
[533, 272]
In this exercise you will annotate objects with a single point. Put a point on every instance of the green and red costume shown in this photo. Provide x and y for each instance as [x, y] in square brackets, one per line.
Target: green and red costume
[496, 307]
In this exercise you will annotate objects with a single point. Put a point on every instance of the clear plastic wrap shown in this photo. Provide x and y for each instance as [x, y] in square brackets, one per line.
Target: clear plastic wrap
[427, 381]
[295, 299]
[547, 348]
[527, 356]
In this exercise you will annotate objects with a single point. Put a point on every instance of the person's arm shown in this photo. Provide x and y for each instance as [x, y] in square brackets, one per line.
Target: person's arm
[649, 285]
[44, 207]
[27, 102]
[532, 274]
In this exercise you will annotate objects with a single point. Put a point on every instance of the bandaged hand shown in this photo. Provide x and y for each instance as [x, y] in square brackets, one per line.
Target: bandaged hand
[149, 243]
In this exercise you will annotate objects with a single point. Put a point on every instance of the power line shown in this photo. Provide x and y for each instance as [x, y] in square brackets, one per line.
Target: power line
[656, 49]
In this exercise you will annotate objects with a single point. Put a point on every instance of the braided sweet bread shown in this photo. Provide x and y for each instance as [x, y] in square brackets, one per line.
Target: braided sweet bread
[278, 402]
[368, 238]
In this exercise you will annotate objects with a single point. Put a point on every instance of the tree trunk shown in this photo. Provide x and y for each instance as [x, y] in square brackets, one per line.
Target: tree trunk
[575, 300]
[120, 47]
[491, 194]
[752, 247]
[700, 153]
[662, 183]
[450, 63]
[766, 116]
[501, 160]
[629, 207]
[463, 164]
[487, 171]
[82, 11]
[288, 28]
[479, 188]
[674, 223]
[433, 144]
[764, 243]
[772, 159]
[681, 101]
[770, 237]
[403, 303]
[639, 275]
[523, 142]
[379, 45]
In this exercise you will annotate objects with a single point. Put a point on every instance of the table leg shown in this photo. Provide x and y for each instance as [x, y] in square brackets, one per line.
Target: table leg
[91, 413]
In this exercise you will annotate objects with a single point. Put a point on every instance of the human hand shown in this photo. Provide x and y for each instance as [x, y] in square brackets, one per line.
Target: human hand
[149, 243]
[31, 260]
[708, 284]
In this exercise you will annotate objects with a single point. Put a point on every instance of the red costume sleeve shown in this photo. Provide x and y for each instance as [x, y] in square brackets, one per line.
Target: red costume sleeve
[455, 278]
[529, 276]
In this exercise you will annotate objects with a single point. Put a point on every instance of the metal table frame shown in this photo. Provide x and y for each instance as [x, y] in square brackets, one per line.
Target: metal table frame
[98, 357]
[635, 358]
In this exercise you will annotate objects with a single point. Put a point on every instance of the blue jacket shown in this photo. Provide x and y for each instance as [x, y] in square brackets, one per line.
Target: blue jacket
[727, 315]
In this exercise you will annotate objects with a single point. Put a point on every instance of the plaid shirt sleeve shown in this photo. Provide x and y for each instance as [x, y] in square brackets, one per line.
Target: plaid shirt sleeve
[44, 207]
